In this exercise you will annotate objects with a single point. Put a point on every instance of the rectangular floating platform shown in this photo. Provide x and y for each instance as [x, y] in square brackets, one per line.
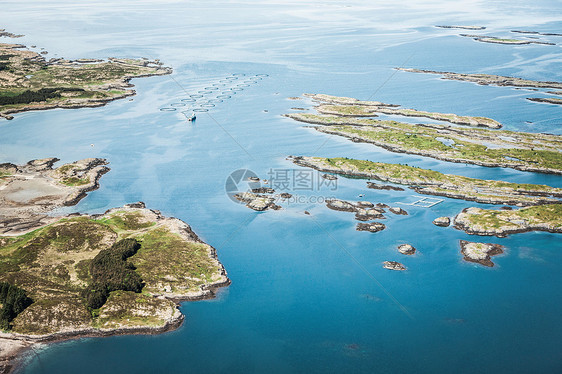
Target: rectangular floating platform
[424, 202]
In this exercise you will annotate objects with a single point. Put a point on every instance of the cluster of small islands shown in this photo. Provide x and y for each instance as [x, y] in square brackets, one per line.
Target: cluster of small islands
[124, 271]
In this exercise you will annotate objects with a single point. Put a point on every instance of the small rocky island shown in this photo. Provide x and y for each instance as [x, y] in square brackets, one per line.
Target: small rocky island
[406, 249]
[480, 253]
[478, 221]
[393, 265]
[442, 221]
[258, 201]
[479, 146]
[432, 182]
[364, 210]
[29, 82]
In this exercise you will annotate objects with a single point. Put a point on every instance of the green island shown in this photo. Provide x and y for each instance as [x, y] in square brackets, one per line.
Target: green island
[29, 82]
[548, 100]
[493, 148]
[432, 182]
[365, 109]
[509, 41]
[120, 272]
[488, 79]
[500, 223]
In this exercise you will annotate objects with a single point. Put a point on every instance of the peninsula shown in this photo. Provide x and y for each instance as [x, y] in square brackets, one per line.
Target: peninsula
[29, 82]
[431, 182]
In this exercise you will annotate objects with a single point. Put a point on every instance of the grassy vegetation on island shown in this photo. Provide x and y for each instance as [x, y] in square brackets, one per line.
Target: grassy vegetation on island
[432, 182]
[369, 111]
[509, 41]
[116, 271]
[489, 79]
[29, 82]
[517, 150]
[500, 223]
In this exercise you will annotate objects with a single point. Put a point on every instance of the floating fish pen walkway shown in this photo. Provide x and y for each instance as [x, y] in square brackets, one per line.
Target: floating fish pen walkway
[424, 202]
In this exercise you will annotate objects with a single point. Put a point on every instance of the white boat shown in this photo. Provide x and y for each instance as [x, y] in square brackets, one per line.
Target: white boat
[190, 116]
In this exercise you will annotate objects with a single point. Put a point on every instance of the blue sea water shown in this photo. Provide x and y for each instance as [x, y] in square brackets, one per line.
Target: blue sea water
[308, 293]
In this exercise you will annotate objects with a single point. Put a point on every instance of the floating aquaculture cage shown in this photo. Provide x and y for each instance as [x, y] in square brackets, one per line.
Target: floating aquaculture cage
[424, 202]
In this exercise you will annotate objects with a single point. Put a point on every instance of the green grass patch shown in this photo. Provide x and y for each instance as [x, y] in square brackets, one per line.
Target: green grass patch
[127, 221]
[165, 258]
[74, 181]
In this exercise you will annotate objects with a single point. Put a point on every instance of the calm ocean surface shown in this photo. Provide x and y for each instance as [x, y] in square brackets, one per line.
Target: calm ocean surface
[308, 293]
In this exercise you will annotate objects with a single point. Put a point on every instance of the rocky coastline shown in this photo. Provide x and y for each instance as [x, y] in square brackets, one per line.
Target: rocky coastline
[28, 192]
[480, 253]
[430, 182]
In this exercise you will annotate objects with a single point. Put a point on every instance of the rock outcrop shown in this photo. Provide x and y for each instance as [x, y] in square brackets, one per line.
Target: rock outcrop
[371, 227]
[393, 265]
[257, 202]
[442, 221]
[398, 211]
[480, 253]
[406, 249]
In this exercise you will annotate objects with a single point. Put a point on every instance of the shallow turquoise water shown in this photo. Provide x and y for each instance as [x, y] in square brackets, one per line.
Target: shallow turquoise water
[309, 293]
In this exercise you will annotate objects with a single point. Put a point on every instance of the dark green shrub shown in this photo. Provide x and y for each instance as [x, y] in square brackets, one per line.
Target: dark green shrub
[110, 271]
[30, 96]
[14, 301]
